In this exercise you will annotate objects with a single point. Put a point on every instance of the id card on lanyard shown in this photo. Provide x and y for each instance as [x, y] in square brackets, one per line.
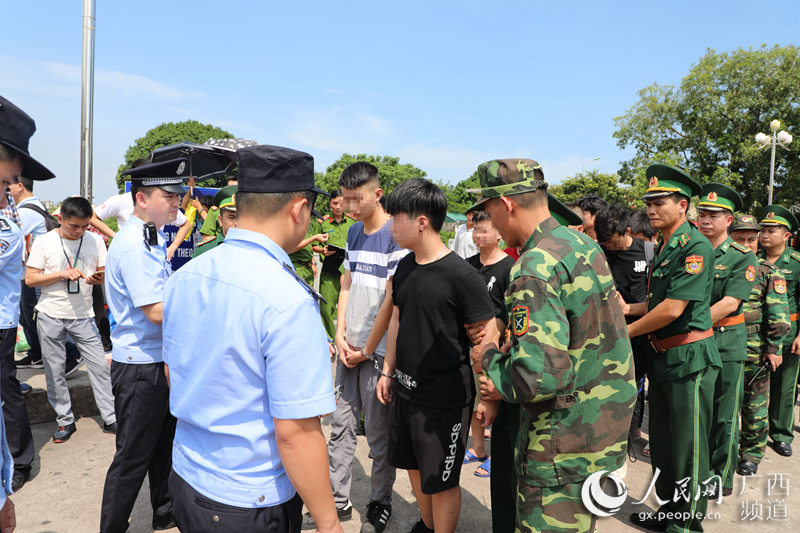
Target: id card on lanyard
[73, 287]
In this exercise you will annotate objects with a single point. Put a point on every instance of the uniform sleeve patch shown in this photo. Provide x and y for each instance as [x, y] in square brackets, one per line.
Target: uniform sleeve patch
[780, 286]
[750, 273]
[3, 246]
[521, 317]
[693, 264]
[742, 248]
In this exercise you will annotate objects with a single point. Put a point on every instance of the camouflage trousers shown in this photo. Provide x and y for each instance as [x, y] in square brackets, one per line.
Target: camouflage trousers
[553, 510]
[755, 425]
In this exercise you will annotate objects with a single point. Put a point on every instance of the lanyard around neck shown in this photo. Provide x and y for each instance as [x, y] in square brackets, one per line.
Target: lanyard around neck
[70, 264]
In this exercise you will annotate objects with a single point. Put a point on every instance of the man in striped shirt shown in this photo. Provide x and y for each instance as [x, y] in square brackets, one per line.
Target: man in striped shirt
[371, 257]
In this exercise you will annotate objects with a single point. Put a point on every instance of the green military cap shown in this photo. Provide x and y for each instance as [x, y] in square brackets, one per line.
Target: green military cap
[226, 198]
[716, 197]
[777, 215]
[664, 180]
[225, 192]
[504, 177]
[745, 222]
[563, 214]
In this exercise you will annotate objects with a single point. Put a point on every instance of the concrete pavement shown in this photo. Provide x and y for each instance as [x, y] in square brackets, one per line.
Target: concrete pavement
[66, 488]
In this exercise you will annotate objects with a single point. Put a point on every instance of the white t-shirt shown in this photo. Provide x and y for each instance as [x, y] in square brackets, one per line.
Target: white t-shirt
[463, 245]
[121, 207]
[47, 254]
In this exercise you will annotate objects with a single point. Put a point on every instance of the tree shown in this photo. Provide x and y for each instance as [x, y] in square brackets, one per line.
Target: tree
[458, 199]
[171, 133]
[707, 124]
[600, 183]
[390, 170]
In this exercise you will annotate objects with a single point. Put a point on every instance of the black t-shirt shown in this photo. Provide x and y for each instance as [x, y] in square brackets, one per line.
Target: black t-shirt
[497, 277]
[435, 301]
[629, 270]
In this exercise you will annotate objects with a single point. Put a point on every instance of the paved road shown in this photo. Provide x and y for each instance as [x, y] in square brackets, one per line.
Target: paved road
[65, 492]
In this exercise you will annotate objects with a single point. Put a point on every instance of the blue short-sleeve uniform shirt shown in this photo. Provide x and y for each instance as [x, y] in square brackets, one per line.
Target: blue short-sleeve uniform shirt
[135, 277]
[11, 244]
[245, 345]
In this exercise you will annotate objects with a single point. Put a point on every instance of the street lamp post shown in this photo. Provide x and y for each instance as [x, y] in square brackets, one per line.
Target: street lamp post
[783, 138]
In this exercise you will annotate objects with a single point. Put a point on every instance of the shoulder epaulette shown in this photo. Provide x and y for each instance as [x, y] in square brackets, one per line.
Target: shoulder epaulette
[348, 215]
[4, 225]
[795, 256]
[214, 207]
[742, 248]
[320, 220]
[684, 239]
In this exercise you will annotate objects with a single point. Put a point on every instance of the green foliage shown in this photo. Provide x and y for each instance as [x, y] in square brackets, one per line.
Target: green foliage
[596, 182]
[171, 133]
[390, 170]
[708, 123]
[458, 199]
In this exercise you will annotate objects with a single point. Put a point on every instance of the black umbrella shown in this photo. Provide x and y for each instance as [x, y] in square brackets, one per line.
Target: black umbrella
[204, 161]
[230, 144]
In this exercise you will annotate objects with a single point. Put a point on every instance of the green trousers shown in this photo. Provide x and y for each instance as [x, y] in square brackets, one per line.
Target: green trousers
[552, 509]
[305, 272]
[782, 387]
[503, 477]
[724, 435]
[680, 414]
[755, 426]
[329, 286]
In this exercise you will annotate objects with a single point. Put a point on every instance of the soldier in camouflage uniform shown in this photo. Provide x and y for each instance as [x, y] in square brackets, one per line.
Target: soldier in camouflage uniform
[776, 228]
[734, 275]
[684, 364]
[570, 365]
[766, 315]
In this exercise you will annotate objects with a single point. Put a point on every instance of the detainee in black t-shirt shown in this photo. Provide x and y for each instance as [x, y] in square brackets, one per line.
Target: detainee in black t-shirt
[435, 301]
[628, 259]
[496, 276]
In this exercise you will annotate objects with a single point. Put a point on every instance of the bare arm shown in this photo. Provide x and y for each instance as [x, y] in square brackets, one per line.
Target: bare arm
[154, 312]
[724, 307]
[101, 226]
[344, 294]
[34, 277]
[319, 237]
[661, 315]
[304, 454]
[181, 234]
[384, 387]
[378, 327]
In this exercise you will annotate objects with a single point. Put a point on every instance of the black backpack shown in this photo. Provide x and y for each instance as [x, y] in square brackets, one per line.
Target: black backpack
[50, 222]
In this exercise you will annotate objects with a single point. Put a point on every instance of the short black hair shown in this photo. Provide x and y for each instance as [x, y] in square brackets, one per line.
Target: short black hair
[357, 174]
[480, 216]
[264, 204]
[640, 223]
[27, 183]
[419, 196]
[76, 207]
[612, 220]
[206, 200]
[335, 193]
[591, 203]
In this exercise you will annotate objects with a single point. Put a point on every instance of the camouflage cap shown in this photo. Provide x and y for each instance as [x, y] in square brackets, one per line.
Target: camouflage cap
[505, 177]
[745, 222]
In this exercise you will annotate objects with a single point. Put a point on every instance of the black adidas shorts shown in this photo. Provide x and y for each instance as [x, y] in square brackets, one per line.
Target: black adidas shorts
[429, 439]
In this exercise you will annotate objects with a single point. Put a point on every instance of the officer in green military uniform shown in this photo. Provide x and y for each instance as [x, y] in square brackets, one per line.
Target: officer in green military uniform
[227, 220]
[335, 226]
[776, 228]
[734, 276]
[211, 225]
[303, 257]
[766, 315]
[570, 364]
[685, 362]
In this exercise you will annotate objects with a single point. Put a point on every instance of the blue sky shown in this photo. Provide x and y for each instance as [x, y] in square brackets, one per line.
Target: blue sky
[442, 85]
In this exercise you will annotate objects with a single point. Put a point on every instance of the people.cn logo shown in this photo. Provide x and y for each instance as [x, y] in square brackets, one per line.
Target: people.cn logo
[596, 500]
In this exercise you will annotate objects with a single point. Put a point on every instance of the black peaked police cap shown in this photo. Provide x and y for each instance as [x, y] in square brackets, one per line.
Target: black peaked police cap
[16, 130]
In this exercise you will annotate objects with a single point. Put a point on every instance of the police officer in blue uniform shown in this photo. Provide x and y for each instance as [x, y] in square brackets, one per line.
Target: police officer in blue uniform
[16, 129]
[136, 270]
[249, 364]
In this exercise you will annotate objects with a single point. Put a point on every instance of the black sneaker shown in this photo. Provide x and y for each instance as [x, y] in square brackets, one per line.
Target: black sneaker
[27, 362]
[164, 522]
[344, 514]
[110, 428]
[377, 516]
[19, 478]
[64, 433]
[73, 365]
[420, 527]
[24, 388]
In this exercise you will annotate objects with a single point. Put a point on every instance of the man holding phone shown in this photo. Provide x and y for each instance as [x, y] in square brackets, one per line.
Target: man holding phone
[66, 262]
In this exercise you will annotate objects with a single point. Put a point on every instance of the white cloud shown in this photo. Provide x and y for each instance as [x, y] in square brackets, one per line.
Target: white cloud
[448, 162]
[340, 129]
